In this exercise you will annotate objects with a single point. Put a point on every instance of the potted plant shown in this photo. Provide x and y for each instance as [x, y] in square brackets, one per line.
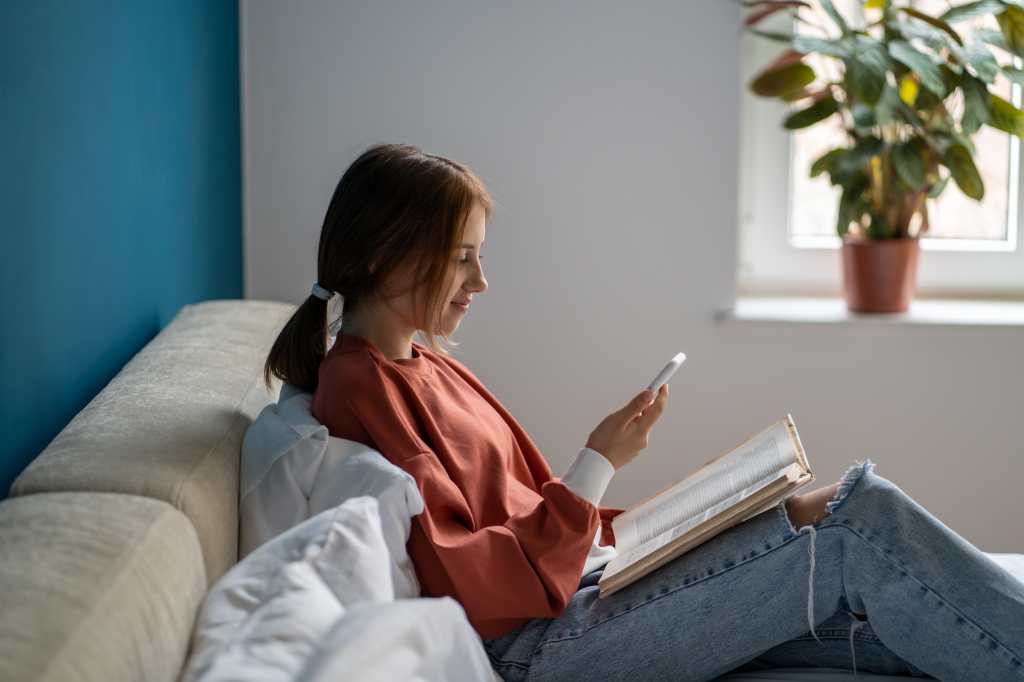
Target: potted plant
[910, 90]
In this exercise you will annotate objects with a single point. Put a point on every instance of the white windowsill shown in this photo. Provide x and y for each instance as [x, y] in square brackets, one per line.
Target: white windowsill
[833, 310]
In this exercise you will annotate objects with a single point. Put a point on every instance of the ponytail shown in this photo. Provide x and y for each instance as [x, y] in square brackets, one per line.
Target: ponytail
[301, 346]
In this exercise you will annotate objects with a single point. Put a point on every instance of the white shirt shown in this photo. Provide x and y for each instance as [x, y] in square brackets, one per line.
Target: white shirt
[588, 476]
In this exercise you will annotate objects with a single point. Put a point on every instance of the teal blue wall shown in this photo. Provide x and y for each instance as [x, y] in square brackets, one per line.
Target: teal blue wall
[120, 193]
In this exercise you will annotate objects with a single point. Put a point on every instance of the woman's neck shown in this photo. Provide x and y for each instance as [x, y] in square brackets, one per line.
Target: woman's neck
[393, 343]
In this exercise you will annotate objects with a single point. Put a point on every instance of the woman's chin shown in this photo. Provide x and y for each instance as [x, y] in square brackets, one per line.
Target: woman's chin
[451, 324]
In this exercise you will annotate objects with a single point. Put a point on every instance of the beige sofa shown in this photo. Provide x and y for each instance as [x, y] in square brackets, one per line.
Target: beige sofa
[112, 535]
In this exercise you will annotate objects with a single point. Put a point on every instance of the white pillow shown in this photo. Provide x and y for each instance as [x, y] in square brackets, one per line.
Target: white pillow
[271, 610]
[292, 469]
[316, 603]
[279, 637]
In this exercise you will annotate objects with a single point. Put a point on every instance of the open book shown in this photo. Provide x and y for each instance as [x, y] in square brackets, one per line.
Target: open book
[725, 491]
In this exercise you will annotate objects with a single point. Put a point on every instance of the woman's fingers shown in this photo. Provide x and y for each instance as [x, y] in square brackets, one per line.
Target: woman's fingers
[650, 415]
[635, 406]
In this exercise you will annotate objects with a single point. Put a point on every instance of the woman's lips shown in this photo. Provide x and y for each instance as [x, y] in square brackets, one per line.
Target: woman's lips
[461, 306]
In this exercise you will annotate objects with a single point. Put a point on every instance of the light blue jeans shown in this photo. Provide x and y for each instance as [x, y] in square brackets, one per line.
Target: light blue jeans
[763, 594]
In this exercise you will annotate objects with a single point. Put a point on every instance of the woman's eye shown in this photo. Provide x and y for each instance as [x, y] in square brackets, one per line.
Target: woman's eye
[466, 260]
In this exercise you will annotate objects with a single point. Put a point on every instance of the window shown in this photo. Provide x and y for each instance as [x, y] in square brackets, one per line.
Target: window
[788, 242]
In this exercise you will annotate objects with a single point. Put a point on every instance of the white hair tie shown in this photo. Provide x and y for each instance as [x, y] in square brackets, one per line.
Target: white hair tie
[322, 293]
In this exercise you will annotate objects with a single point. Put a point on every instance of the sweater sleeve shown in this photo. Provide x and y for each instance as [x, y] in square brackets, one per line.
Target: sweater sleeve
[529, 566]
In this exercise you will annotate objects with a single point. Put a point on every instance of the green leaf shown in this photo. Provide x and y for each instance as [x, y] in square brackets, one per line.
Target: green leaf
[767, 8]
[1011, 23]
[992, 37]
[851, 204]
[844, 216]
[796, 95]
[946, 138]
[831, 48]
[857, 157]
[782, 81]
[911, 31]
[971, 9]
[908, 160]
[866, 69]
[863, 116]
[927, 100]
[961, 166]
[950, 78]
[921, 64]
[937, 188]
[772, 35]
[819, 111]
[976, 104]
[824, 162]
[836, 16]
[964, 141]
[937, 23]
[1004, 116]
[1015, 75]
[976, 56]
[983, 62]
[887, 106]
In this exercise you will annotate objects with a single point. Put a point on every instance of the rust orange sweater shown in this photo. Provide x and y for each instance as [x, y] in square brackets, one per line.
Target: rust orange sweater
[499, 533]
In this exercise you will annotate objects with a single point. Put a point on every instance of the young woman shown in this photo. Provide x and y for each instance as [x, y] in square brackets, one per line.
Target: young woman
[856, 574]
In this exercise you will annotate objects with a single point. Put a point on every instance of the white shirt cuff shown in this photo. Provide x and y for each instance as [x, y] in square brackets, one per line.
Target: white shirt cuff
[588, 475]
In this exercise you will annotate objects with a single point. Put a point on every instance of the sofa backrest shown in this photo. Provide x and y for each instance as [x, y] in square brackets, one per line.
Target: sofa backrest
[170, 425]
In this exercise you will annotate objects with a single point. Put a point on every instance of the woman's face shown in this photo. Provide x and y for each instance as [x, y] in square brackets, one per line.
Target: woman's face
[467, 280]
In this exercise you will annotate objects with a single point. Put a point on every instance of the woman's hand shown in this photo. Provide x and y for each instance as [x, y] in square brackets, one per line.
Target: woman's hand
[624, 433]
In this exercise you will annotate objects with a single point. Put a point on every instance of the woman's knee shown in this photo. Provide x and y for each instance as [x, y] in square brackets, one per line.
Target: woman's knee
[861, 481]
[809, 508]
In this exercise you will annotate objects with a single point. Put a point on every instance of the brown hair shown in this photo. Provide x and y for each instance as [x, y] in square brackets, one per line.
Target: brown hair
[394, 202]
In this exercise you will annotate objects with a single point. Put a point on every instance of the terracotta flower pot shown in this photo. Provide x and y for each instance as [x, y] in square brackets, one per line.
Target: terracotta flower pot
[879, 275]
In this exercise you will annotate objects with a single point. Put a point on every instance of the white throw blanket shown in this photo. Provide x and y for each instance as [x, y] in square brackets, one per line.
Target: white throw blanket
[317, 603]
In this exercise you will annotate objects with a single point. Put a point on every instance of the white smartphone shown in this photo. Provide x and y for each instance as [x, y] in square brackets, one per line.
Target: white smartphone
[665, 374]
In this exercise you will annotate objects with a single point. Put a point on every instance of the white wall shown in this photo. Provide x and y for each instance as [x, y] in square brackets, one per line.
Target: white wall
[607, 133]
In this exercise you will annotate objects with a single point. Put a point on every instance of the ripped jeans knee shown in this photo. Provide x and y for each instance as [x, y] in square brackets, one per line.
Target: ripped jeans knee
[847, 483]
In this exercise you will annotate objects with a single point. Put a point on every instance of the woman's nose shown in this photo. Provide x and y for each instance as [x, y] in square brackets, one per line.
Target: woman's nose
[479, 283]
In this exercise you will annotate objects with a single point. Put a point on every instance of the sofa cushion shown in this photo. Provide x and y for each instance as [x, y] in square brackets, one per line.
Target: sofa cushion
[170, 424]
[96, 586]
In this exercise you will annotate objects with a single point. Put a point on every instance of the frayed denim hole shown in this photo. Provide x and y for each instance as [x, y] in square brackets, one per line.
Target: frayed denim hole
[789, 530]
[846, 484]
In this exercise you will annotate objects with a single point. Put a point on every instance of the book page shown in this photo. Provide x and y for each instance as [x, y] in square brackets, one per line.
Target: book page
[759, 459]
[626, 558]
